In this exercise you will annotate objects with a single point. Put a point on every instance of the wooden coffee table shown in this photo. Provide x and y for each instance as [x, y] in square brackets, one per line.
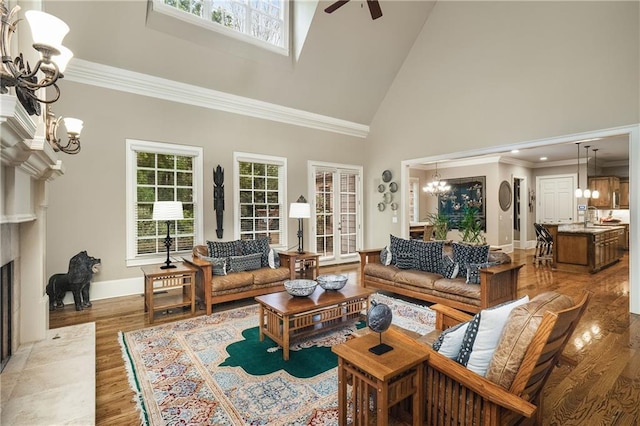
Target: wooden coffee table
[284, 318]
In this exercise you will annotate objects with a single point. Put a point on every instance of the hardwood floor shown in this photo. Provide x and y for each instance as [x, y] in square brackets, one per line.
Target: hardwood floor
[603, 388]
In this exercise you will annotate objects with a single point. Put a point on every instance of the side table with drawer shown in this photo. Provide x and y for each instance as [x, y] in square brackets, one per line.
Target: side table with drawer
[169, 288]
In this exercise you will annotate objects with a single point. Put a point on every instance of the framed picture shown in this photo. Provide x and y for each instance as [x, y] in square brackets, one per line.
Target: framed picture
[468, 191]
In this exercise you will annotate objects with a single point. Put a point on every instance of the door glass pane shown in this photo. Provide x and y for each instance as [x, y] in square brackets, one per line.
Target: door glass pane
[348, 213]
[324, 213]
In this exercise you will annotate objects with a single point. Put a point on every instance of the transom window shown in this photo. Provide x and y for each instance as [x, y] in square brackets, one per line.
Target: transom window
[260, 194]
[264, 20]
[161, 172]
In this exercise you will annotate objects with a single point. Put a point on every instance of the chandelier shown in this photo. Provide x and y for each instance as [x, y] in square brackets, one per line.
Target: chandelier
[437, 186]
[47, 33]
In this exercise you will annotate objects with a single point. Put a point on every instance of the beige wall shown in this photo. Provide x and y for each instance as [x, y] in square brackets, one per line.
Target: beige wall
[484, 74]
[87, 205]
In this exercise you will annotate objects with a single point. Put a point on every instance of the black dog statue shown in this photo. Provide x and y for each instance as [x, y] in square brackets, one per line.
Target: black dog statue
[77, 280]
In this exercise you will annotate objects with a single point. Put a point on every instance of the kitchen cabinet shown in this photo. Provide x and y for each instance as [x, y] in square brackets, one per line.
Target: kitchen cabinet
[624, 193]
[606, 185]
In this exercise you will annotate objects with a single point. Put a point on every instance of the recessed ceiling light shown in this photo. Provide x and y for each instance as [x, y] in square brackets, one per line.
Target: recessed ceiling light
[543, 158]
[515, 151]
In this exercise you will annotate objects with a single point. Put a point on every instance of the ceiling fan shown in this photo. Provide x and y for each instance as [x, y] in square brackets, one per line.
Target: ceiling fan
[374, 7]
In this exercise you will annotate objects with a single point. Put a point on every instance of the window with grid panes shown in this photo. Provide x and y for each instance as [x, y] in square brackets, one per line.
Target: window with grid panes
[162, 173]
[260, 197]
[263, 20]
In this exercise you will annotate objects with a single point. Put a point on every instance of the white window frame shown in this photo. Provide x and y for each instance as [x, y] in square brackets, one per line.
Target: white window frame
[414, 196]
[133, 146]
[284, 211]
[161, 7]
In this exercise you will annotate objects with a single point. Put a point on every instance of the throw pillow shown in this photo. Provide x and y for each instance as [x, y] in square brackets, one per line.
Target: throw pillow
[274, 259]
[259, 245]
[473, 271]
[428, 255]
[385, 256]
[482, 336]
[465, 254]
[247, 262]
[219, 264]
[224, 248]
[448, 268]
[398, 245]
[450, 341]
[405, 260]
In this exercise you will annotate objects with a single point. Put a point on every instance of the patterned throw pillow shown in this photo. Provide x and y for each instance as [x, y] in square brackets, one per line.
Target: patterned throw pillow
[450, 341]
[247, 262]
[448, 268]
[398, 245]
[465, 254]
[428, 255]
[259, 245]
[473, 271]
[224, 248]
[274, 259]
[482, 336]
[405, 260]
[385, 256]
[219, 264]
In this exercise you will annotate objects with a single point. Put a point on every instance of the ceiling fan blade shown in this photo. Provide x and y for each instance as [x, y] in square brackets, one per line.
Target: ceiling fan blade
[336, 5]
[374, 8]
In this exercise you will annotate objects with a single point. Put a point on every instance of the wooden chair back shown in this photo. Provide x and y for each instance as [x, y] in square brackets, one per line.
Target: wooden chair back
[457, 396]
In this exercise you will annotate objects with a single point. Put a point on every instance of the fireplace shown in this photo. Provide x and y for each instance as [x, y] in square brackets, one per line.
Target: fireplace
[6, 301]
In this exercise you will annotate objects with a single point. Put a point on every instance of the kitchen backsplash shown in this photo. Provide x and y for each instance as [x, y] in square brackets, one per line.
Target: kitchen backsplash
[623, 215]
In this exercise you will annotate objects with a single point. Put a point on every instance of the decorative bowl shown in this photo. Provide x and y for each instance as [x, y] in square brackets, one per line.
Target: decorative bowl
[332, 281]
[300, 288]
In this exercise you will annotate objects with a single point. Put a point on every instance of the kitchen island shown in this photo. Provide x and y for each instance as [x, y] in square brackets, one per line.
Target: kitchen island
[581, 248]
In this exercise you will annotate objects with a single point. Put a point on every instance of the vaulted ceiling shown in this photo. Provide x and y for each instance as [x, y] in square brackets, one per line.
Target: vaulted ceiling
[343, 64]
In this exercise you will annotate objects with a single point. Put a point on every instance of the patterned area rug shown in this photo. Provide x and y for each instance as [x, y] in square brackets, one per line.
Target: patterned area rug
[214, 370]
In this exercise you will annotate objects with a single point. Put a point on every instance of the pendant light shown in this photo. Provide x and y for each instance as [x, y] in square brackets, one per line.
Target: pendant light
[578, 189]
[595, 194]
[587, 192]
[437, 186]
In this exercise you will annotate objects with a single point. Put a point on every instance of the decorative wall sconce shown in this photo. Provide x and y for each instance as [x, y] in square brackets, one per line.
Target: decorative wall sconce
[47, 32]
[73, 126]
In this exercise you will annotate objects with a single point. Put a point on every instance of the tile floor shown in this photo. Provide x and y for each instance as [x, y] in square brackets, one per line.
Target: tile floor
[51, 381]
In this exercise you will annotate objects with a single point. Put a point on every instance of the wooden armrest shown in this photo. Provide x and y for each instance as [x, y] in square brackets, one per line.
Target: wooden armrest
[478, 384]
[367, 252]
[502, 268]
[368, 256]
[196, 261]
[448, 317]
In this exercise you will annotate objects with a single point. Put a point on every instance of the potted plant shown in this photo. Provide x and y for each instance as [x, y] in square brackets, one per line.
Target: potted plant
[471, 226]
[440, 222]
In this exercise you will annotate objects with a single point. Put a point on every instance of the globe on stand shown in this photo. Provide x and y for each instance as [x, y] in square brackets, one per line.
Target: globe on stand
[379, 319]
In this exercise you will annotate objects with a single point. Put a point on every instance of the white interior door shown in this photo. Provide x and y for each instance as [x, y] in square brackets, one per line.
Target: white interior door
[556, 202]
[338, 230]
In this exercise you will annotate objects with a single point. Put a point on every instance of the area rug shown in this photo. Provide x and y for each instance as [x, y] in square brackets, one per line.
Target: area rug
[214, 370]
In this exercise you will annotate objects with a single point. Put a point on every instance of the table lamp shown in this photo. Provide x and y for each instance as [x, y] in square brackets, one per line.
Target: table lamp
[168, 211]
[300, 210]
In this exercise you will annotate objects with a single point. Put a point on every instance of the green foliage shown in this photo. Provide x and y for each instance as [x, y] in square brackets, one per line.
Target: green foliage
[471, 226]
[440, 222]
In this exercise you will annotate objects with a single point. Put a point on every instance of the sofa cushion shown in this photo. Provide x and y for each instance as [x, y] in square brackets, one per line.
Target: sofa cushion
[473, 271]
[259, 245]
[219, 264]
[224, 248]
[448, 268]
[268, 275]
[457, 287]
[247, 262]
[450, 340]
[482, 335]
[398, 245]
[465, 254]
[380, 271]
[416, 278]
[231, 281]
[428, 255]
[517, 334]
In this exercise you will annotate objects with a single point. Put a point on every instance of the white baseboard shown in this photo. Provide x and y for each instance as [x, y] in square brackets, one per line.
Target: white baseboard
[114, 288]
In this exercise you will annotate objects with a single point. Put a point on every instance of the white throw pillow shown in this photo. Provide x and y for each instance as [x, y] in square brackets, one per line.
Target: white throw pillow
[450, 341]
[482, 336]
[274, 259]
[385, 256]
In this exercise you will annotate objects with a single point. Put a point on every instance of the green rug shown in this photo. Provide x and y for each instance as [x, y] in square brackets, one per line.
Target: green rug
[214, 370]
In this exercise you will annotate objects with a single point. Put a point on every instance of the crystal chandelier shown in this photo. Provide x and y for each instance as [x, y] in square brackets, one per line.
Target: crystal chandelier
[437, 186]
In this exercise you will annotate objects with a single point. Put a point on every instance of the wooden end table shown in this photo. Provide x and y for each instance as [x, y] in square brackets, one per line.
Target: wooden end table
[390, 377]
[283, 317]
[183, 277]
[296, 259]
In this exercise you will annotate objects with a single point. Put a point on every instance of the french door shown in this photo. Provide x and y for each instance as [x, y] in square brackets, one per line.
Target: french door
[337, 230]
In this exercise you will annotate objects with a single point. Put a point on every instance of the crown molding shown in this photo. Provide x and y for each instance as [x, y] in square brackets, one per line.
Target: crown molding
[94, 74]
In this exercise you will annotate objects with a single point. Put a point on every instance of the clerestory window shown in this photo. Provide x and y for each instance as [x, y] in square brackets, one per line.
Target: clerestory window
[263, 20]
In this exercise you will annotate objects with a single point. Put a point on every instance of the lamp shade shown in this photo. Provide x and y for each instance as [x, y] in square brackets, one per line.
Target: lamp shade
[62, 60]
[74, 127]
[167, 210]
[46, 29]
[300, 210]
